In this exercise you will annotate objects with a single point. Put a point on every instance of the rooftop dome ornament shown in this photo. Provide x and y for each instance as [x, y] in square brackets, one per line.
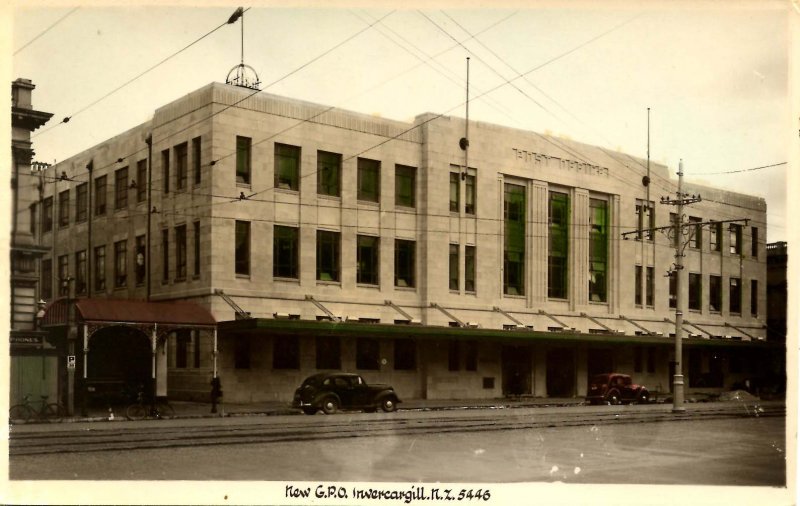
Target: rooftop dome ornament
[242, 75]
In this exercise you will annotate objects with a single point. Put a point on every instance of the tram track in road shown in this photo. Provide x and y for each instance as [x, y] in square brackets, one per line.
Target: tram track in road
[174, 435]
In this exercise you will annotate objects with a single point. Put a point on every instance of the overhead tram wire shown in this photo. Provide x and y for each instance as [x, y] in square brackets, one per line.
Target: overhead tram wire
[70, 117]
[739, 171]
[62, 18]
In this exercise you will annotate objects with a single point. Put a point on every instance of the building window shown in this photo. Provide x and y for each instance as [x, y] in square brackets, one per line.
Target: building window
[329, 173]
[404, 263]
[243, 145]
[80, 273]
[650, 287]
[405, 355]
[514, 240]
[328, 260]
[141, 180]
[368, 255]
[196, 159]
[736, 239]
[367, 354]
[99, 268]
[287, 167]
[651, 359]
[695, 291]
[285, 252]
[454, 266]
[455, 191]
[63, 274]
[121, 188]
[242, 245]
[181, 166]
[183, 339]
[638, 288]
[33, 218]
[286, 352]
[329, 355]
[453, 356]
[715, 236]
[645, 220]
[165, 170]
[81, 202]
[405, 186]
[754, 242]
[695, 232]
[241, 352]
[735, 296]
[196, 248]
[638, 358]
[63, 208]
[558, 246]
[715, 293]
[754, 297]
[469, 268]
[120, 264]
[165, 255]
[47, 278]
[180, 252]
[598, 250]
[471, 356]
[470, 196]
[47, 214]
[100, 196]
[141, 258]
[369, 180]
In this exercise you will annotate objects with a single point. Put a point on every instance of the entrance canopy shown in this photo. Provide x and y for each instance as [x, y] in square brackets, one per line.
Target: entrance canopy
[129, 311]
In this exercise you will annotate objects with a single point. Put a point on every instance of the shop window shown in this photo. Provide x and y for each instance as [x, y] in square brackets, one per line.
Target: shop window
[243, 159]
[328, 248]
[369, 180]
[405, 186]
[183, 341]
[285, 253]
[558, 246]
[405, 355]
[287, 167]
[471, 356]
[404, 263]
[329, 173]
[651, 359]
[286, 352]
[242, 248]
[514, 240]
[329, 354]
[368, 255]
[598, 250]
[241, 352]
[638, 354]
[453, 356]
[368, 354]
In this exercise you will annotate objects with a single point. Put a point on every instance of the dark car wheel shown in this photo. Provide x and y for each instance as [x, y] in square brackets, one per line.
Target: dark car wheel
[330, 405]
[309, 411]
[643, 398]
[389, 404]
[612, 399]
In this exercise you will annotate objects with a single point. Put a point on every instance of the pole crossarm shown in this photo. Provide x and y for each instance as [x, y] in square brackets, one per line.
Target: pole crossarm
[689, 225]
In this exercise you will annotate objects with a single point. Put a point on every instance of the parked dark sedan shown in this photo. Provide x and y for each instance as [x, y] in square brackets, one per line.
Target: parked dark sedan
[333, 391]
[614, 388]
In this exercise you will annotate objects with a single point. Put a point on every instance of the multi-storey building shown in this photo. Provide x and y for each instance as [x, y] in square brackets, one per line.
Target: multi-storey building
[326, 239]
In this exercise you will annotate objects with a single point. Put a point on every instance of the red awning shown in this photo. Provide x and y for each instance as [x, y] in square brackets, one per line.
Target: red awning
[130, 311]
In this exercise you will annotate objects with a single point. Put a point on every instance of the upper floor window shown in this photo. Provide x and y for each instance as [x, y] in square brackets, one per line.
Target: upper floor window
[63, 208]
[81, 202]
[196, 159]
[695, 232]
[404, 186]
[285, 252]
[368, 255]
[715, 293]
[715, 236]
[454, 266]
[637, 292]
[121, 188]
[165, 255]
[514, 239]
[120, 264]
[558, 245]
[47, 214]
[455, 191]
[645, 220]
[328, 248]
[650, 287]
[196, 249]
[243, 145]
[63, 275]
[754, 241]
[754, 297]
[141, 258]
[180, 252]
[598, 250]
[242, 247]
[47, 278]
[695, 291]
[165, 170]
[329, 173]
[404, 263]
[181, 165]
[470, 196]
[99, 268]
[735, 296]
[369, 180]
[141, 180]
[100, 196]
[469, 268]
[287, 167]
[80, 272]
[736, 239]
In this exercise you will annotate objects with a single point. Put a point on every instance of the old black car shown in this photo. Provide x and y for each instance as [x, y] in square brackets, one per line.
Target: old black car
[615, 388]
[333, 391]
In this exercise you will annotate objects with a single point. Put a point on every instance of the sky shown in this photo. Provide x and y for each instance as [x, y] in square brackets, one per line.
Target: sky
[714, 75]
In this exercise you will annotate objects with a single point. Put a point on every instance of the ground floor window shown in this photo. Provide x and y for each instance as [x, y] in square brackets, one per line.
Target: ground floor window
[241, 352]
[405, 355]
[286, 353]
[368, 354]
[329, 354]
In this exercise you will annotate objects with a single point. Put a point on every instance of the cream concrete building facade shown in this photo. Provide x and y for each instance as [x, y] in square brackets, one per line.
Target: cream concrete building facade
[323, 239]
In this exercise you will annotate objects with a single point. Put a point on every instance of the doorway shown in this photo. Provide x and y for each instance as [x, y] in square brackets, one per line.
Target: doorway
[561, 372]
[516, 370]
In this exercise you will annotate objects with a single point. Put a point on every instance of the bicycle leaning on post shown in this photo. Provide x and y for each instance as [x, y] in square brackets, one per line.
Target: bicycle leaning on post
[144, 408]
[41, 411]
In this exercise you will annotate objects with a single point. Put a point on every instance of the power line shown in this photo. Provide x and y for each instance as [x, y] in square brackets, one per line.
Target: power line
[739, 171]
[62, 18]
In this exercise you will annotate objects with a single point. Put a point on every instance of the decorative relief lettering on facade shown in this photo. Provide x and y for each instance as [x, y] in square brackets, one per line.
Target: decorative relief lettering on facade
[539, 160]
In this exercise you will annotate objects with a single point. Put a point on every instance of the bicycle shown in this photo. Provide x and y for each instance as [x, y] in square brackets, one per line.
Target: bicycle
[41, 410]
[141, 409]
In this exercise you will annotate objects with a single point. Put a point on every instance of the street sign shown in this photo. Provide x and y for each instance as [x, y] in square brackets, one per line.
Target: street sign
[70, 361]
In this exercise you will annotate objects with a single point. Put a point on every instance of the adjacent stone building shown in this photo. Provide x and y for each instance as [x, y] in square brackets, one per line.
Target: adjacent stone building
[323, 239]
